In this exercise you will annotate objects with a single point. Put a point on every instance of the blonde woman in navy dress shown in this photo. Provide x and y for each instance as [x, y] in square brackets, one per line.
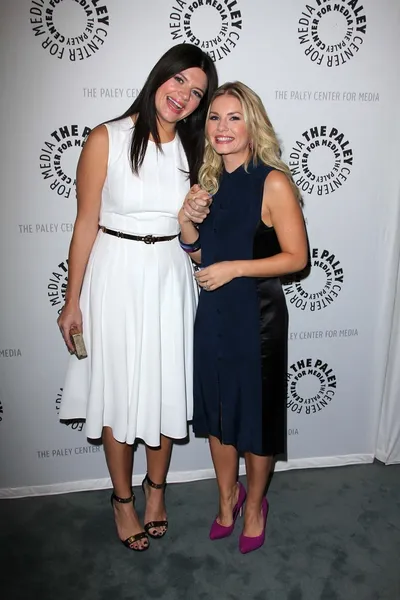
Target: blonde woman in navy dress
[130, 286]
[253, 235]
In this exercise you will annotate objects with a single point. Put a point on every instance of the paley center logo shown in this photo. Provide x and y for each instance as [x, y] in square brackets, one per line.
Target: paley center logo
[75, 425]
[321, 160]
[321, 287]
[331, 33]
[70, 29]
[213, 25]
[59, 156]
[311, 386]
[57, 285]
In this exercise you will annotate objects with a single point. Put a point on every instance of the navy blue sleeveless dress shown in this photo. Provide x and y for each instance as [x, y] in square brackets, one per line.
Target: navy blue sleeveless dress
[241, 329]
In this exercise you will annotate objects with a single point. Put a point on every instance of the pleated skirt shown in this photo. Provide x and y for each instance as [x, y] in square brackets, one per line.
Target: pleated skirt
[138, 303]
[240, 365]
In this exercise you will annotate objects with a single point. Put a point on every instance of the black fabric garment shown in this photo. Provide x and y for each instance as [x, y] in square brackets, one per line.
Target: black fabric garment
[241, 329]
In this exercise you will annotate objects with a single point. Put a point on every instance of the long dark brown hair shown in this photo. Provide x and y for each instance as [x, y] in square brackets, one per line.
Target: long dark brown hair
[191, 129]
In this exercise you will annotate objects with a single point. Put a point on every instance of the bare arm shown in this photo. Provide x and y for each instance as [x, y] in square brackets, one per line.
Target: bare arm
[189, 234]
[91, 174]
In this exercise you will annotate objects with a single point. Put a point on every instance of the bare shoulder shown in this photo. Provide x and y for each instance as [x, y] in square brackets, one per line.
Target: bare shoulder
[92, 164]
[98, 136]
[276, 183]
[279, 192]
[96, 146]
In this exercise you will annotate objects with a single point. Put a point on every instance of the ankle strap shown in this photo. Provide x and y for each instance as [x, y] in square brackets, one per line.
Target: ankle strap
[156, 486]
[123, 500]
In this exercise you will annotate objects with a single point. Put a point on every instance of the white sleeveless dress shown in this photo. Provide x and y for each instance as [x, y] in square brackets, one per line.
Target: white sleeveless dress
[138, 303]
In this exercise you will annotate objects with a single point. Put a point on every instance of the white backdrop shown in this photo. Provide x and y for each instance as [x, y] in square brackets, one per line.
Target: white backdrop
[327, 73]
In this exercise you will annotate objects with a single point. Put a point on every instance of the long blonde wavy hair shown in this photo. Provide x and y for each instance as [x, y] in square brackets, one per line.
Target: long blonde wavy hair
[264, 145]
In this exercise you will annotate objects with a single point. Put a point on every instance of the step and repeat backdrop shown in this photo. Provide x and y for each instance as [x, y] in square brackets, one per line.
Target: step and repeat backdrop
[327, 73]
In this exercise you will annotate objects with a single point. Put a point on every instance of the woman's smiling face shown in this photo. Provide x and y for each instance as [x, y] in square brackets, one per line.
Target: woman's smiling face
[179, 96]
[226, 128]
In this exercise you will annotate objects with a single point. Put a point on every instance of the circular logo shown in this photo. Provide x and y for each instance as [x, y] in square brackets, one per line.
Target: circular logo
[59, 156]
[70, 29]
[321, 287]
[75, 425]
[331, 32]
[311, 386]
[215, 26]
[57, 285]
[321, 160]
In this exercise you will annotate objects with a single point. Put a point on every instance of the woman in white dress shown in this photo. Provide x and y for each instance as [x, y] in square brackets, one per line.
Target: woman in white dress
[130, 285]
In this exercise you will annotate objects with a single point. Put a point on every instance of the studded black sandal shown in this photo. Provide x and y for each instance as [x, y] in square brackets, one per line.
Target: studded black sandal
[154, 524]
[132, 539]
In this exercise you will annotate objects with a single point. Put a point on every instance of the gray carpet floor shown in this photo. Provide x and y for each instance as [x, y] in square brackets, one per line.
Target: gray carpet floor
[332, 534]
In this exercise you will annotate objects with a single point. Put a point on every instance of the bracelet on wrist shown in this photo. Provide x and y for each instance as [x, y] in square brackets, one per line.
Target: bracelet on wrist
[190, 248]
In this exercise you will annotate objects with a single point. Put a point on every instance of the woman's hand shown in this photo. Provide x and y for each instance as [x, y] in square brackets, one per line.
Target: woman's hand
[70, 316]
[195, 207]
[213, 277]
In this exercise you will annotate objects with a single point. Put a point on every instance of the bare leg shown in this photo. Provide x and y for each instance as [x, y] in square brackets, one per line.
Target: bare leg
[119, 459]
[225, 459]
[258, 469]
[157, 468]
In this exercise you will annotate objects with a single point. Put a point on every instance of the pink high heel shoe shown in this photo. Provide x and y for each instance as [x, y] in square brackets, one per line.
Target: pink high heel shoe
[248, 544]
[217, 531]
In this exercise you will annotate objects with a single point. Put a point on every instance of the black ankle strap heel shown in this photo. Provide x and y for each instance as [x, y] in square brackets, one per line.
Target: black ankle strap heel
[154, 524]
[131, 498]
[132, 539]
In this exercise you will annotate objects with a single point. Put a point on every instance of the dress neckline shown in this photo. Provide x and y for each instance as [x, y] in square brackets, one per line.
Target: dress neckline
[230, 173]
[239, 168]
[132, 124]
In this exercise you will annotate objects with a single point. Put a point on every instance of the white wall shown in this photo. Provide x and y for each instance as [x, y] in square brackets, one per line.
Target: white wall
[341, 100]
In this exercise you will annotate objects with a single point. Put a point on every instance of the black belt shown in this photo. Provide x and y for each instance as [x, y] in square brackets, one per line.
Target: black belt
[147, 239]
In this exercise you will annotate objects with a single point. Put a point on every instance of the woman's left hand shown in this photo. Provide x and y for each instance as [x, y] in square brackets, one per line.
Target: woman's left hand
[213, 277]
[196, 205]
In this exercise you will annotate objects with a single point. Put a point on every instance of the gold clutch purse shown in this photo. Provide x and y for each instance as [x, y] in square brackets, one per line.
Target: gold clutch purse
[78, 343]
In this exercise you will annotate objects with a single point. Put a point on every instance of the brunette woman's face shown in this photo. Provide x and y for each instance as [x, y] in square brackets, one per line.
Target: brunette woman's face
[179, 96]
[226, 128]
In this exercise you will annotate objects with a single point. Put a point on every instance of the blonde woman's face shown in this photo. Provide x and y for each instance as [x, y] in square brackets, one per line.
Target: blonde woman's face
[226, 128]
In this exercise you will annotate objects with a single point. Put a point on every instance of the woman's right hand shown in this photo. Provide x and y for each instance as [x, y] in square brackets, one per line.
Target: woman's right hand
[195, 207]
[70, 316]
